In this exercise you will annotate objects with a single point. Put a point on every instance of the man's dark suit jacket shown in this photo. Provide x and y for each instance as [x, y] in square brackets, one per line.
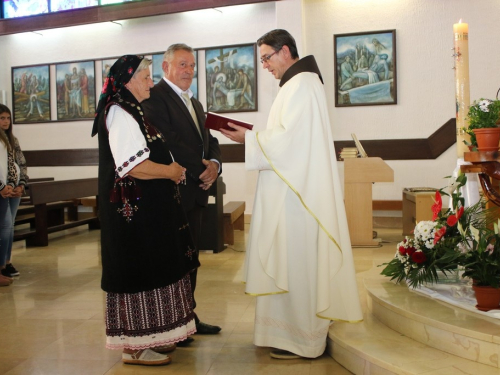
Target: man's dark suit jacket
[166, 111]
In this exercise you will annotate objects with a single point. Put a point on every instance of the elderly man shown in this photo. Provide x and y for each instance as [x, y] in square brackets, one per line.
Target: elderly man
[174, 111]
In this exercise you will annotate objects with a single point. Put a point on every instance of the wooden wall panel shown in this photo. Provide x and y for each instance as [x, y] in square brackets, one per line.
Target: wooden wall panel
[387, 149]
[108, 13]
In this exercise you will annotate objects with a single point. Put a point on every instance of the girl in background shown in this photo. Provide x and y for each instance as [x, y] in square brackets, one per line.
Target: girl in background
[13, 178]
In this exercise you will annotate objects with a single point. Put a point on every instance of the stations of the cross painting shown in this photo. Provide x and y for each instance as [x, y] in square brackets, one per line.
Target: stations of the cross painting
[222, 58]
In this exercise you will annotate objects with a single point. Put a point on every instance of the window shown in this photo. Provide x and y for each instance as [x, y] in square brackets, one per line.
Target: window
[23, 8]
[57, 5]
[106, 2]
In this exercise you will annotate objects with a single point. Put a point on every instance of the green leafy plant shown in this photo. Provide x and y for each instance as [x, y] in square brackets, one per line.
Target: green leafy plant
[482, 261]
[483, 113]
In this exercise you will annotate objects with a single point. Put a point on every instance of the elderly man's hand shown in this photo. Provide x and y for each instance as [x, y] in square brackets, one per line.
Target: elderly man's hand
[210, 174]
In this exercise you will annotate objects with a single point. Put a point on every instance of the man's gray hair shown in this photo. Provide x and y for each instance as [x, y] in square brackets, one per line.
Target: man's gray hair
[169, 53]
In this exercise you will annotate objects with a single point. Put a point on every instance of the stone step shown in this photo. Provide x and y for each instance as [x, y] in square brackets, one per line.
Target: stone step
[434, 323]
[371, 348]
[407, 333]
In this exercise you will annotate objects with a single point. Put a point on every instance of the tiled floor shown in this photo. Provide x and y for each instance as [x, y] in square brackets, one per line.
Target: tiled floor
[51, 318]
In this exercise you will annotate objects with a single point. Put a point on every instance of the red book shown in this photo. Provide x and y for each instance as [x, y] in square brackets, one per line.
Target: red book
[216, 121]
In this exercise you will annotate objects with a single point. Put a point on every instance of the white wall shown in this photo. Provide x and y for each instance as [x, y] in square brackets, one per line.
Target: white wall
[426, 85]
[424, 62]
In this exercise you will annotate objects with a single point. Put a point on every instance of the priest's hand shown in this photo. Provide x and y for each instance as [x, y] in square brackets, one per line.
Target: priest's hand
[237, 135]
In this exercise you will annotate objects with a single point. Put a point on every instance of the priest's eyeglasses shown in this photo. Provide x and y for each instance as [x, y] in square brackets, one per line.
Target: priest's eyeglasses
[266, 58]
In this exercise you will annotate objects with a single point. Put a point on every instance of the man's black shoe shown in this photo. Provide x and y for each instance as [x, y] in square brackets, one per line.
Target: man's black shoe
[184, 343]
[207, 329]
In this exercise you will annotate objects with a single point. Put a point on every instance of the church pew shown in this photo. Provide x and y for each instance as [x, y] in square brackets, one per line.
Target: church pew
[46, 196]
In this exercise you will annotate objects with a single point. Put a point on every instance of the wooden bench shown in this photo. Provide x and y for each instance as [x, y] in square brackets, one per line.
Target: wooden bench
[49, 199]
[212, 234]
[26, 211]
[90, 202]
[234, 218]
[55, 212]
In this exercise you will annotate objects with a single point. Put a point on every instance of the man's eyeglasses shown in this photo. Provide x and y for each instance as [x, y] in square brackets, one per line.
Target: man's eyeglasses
[266, 58]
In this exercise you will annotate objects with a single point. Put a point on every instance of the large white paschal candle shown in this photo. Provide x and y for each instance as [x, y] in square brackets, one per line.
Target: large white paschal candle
[462, 87]
[470, 191]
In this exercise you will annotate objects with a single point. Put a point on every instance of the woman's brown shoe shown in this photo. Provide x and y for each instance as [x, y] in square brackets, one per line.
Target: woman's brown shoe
[5, 281]
[146, 357]
[164, 348]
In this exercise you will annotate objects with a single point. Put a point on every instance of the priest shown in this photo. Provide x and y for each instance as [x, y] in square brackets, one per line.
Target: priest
[299, 260]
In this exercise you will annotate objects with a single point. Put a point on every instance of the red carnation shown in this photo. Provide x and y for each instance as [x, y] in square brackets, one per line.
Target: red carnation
[437, 206]
[418, 257]
[410, 250]
[402, 250]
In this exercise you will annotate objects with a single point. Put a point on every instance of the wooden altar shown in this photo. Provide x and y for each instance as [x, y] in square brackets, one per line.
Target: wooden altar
[487, 165]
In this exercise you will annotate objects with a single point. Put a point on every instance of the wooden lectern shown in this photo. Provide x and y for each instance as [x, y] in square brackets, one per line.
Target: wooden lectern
[359, 174]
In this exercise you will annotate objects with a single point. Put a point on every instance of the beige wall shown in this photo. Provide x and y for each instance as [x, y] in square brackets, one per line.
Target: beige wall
[424, 62]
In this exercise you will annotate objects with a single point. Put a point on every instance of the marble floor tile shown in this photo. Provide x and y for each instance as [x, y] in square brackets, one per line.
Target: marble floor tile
[279, 368]
[53, 316]
[42, 366]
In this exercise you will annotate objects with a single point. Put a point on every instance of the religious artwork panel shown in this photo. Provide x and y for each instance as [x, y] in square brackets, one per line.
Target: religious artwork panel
[31, 94]
[75, 90]
[365, 65]
[231, 78]
[106, 65]
[158, 71]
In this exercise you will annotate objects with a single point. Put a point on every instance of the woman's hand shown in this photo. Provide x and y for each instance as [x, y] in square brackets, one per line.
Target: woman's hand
[17, 192]
[6, 191]
[149, 170]
[177, 173]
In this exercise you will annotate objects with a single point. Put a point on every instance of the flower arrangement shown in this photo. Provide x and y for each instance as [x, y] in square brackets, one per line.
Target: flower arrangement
[483, 113]
[438, 245]
[482, 260]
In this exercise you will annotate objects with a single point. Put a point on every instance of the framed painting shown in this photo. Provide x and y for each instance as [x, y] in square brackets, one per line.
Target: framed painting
[75, 89]
[31, 94]
[231, 78]
[106, 65]
[365, 65]
[158, 71]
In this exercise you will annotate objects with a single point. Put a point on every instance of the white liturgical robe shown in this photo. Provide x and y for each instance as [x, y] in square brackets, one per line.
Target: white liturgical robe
[299, 257]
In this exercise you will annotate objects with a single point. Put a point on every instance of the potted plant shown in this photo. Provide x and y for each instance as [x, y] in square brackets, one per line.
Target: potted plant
[482, 264]
[484, 118]
[438, 245]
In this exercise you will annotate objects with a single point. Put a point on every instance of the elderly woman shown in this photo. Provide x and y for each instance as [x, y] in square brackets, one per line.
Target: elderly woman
[147, 250]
